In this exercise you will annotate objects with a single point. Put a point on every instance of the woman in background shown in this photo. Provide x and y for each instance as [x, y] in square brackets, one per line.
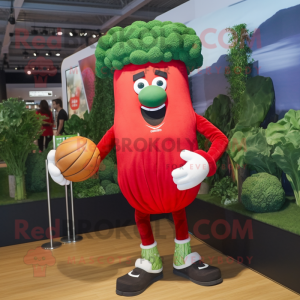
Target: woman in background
[47, 126]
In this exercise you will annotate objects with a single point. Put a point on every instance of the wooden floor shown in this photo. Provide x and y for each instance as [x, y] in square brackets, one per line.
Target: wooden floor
[89, 269]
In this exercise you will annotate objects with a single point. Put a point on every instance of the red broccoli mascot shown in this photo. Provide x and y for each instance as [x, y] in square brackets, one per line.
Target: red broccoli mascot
[160, 167]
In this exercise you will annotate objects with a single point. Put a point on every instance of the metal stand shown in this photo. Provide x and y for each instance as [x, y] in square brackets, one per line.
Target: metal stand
[51, 245]
[75, 238]
[67, 239]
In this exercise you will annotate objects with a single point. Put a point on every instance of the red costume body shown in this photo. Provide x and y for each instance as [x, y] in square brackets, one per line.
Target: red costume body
[146, 155]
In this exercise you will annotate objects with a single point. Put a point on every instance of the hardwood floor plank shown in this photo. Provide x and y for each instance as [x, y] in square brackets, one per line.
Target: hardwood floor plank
[89, 269]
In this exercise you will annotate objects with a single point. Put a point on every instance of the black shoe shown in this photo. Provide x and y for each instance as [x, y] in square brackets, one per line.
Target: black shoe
[136, 282]
[200, 273]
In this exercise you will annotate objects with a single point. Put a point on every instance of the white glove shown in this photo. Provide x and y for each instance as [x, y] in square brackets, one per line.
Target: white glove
[192, 173]
[54, 171]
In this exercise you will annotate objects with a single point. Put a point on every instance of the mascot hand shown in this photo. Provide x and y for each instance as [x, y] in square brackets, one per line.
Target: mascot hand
[192, 173]
[54, 172]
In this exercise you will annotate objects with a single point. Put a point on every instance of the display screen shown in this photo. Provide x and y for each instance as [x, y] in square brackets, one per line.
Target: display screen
[40, 93]
[87, 68]
[77, 102]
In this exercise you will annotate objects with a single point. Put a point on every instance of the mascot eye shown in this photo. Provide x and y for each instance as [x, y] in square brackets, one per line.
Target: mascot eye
[160, 81]
[140, 84]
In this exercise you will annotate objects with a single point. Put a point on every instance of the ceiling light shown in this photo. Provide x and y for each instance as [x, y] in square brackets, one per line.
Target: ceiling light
[35, 53]
[28, 72]
[73, 33]
[57, 54]
[59, 32]
[48, 53]
[85, 34]
[16, 68]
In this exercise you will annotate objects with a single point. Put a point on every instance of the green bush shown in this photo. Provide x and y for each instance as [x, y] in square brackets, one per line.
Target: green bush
[226, 189]
[112, 188]
[105, 183]
[19, 128]
[219, 114]
[250, 147]
[88, 188]
[256, 101]
[285, 137]
[115, 176]
[94, 191]
[262, 192]
[35, 178]
[106, 170]
[35, 174]
[102, 113]
[239, 58]
[78, 125]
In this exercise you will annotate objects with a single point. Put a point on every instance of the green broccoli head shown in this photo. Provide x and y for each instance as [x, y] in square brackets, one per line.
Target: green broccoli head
[262, 192]
[143, 42]
[112, 188]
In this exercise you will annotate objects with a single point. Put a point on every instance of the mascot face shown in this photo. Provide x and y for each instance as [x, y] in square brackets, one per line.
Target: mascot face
[151, 93]
[154, 121]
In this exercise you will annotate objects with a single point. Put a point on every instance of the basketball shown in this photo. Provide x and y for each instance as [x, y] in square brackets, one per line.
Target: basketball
[78, 158]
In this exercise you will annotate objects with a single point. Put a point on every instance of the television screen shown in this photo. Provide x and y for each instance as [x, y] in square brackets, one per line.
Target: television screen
[77, 102]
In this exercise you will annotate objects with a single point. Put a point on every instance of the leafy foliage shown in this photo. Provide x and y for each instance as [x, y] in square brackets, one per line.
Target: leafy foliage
[256, 101]
[78, 125]
[112, 188]
[35, 178]
[250, 147]
[102, 112]
[226, 189]
[239, 55]
[88, 188]
[262, 192]
[285, 137]
[106, 170]
[105, 183]
[219, 114]
[19, 128]
[115, 176]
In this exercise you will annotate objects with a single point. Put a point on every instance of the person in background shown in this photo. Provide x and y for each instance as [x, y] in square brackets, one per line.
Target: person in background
[61, 117]
[47, 126]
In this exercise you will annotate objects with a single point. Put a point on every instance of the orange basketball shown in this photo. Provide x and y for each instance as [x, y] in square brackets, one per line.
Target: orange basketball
[78, 158]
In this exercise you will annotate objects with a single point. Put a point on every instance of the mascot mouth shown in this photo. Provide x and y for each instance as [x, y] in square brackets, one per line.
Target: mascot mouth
[154, 116]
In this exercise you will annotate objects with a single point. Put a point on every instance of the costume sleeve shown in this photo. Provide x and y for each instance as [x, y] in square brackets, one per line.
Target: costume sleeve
[107, 143]
[216, 137]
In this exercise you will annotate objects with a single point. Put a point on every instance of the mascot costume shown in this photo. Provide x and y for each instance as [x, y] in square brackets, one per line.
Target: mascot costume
[160, 167]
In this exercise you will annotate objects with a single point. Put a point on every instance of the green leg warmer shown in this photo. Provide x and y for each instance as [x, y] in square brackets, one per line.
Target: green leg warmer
[181, 251]
[153, 256]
